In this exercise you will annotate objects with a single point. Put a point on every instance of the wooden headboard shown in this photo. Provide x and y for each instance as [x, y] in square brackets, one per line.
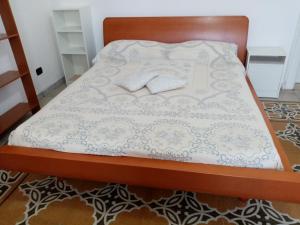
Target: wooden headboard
[232, 29]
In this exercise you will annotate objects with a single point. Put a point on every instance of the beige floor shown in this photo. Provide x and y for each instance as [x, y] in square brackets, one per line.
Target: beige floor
[50, 94]
[289, 95]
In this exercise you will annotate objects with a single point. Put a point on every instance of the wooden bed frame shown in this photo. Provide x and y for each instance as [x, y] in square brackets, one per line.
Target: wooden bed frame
[213, 179]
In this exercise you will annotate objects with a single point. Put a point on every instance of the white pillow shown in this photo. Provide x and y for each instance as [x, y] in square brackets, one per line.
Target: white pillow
[136, 81]
[164, 83]
[137, 74]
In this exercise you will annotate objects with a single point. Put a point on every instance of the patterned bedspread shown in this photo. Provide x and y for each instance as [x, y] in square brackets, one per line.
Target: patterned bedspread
[213, 120]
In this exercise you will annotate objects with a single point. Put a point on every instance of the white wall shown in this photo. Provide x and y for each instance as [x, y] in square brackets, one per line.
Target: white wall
[272, 22]
[33, 18]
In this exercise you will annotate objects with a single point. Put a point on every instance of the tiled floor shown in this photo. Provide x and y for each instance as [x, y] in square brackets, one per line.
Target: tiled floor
[288, 95]
[51, 93]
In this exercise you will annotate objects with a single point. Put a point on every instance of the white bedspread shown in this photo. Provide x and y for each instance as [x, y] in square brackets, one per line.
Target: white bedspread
[213, 120]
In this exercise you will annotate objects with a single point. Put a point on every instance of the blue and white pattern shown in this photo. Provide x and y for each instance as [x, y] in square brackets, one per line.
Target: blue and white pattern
[214, 119]
[178, 208]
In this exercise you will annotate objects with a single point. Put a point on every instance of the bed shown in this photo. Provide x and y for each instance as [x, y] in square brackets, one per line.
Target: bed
[268, 169]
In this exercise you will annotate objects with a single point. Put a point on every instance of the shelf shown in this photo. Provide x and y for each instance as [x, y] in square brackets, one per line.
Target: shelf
[69, 19]
[5, 36]
[8, 77]
[69, 29]
[74, 51]
[75, 40]
[71, 43]
[65, 9]
[267, 51]
[11, 117]
[74, 65]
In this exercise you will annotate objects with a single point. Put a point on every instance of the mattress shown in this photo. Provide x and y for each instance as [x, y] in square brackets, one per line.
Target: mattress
[213, 120]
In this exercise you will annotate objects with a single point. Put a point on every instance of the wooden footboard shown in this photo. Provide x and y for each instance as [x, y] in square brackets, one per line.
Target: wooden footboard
[211, 179]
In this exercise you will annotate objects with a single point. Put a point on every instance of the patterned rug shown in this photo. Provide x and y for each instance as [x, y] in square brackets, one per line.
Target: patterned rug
[285, 119]
[42, 200]
[9, 181]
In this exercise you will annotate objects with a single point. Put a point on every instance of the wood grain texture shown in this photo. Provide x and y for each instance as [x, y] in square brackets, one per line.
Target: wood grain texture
[232, 29]
[8, 77]
[212, 179]
[202, 178]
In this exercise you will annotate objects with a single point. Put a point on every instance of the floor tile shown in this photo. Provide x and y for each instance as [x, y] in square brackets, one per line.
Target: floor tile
[297, 92]
[57, 90]
[289, 95]
[297, 87]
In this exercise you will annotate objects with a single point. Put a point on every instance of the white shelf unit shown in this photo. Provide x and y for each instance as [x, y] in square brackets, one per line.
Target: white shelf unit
[265, 67]
[75, 40]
